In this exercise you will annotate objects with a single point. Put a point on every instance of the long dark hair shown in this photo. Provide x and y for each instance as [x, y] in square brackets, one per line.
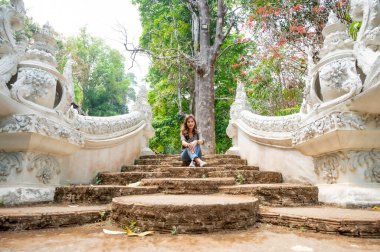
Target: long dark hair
[185, 129]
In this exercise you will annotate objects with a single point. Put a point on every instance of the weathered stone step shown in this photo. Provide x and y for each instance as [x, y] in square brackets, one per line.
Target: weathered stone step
[350, 222]
[125, 178]
[188, 185]
[167, 168]
[186, 213]
[211, 162]
[249, 176]
[99, 194]
[177, 156]
[241, 176]
[50, 216]
[277, 194]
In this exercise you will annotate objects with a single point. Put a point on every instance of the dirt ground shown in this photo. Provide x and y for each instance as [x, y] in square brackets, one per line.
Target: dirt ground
[263, 237]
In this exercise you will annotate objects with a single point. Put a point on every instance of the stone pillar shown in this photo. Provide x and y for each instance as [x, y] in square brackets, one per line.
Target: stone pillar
[141, 105]
[241, 103]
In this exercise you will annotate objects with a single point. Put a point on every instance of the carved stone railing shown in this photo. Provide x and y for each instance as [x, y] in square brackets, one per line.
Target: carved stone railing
[334, 139]
[44, 141]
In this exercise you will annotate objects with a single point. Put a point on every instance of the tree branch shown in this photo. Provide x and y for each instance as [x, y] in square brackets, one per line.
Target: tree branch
[173, 53]
[231, 45]
[219, 36]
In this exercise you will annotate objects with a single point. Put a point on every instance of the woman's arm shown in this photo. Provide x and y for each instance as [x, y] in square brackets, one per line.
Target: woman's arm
[183, 140]
[200, 139]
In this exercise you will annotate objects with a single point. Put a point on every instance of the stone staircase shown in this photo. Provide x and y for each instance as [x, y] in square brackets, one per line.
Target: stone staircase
[162, 193]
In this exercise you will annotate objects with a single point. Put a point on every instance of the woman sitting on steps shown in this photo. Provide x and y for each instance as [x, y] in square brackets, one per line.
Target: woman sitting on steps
[191, 139]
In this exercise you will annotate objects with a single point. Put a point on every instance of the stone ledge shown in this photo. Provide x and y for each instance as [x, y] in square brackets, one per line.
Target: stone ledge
[167, 168]
[177, 157]
[186, 213]
[125, 178]
[211, 162]
[188, 185]
[260, 177]
[50, 216]
[97, 194]
[277, 194]
[349, 222]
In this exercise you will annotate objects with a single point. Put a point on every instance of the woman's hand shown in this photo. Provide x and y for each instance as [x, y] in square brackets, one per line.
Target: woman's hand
[192, 145]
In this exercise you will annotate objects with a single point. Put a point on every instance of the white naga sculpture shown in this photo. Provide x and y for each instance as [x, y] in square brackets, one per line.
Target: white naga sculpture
[334, 141]
[44, 142]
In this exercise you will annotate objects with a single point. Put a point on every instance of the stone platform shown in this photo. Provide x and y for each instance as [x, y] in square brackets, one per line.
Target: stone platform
[331, 220]
[50, 216]
[186, 213]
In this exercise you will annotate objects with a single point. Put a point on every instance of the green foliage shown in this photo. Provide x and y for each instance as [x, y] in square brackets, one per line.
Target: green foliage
[101, 85]
[132, 225]
[174, 230]
[354, 29]
[240, 179]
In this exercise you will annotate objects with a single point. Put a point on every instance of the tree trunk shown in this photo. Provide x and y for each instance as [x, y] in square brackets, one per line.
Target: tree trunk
[205, 112]
[204, 82]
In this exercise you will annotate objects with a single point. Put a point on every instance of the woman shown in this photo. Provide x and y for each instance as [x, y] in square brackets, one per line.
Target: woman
[191, 139]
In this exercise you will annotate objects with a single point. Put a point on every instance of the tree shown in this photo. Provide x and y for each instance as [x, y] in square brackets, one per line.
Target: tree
[284, 32]
[211, 22]
[102, 87]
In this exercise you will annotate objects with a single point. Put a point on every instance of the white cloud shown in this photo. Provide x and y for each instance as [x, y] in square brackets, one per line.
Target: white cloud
[100, 17]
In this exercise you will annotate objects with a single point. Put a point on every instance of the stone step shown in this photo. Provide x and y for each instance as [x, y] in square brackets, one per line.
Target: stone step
[50, 216]
[211, 162]
[188, 185]
[277, 194]
[126, 178]
[324, 219]
[177, 156]
[99, 194]
[168, 168]
[186, 213]
[241, 176]
[249, 176]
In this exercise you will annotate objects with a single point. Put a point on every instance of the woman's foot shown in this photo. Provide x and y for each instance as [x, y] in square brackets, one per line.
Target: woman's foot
[200, 162]
[192, 164]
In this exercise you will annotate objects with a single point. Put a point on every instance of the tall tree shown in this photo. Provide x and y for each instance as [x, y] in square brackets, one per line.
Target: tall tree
[102, 87]
[211, 22]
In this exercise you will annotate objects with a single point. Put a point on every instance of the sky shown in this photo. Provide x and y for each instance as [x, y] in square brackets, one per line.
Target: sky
[101, 18]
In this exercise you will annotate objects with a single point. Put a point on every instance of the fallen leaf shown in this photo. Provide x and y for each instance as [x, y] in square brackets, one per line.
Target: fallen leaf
[112, 232]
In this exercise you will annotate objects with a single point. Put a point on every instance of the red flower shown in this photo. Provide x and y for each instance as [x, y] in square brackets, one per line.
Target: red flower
[297, 7]
[301, 29]
[277, 12]
[235, 65]
[281, 42]
[261, 10]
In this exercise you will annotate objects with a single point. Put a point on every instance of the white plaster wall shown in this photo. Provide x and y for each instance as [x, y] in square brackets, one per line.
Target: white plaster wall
[83, 165]
[294, 166]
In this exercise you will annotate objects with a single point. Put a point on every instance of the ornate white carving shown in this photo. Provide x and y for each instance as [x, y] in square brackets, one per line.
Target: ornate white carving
[40, 125]
[11, 19]
[367, 45]
[333, 121]
[68, 74]
[271, 123]
[241, 103]
[336, 37]
[330, 166]
[122, 124]
[39, 86]
[44, 41]
[8, 162]
[46, 167]
[142, 106]
[338, 78]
